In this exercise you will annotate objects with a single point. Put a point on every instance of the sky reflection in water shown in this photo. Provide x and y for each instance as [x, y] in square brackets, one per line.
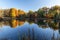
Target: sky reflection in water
[28, 31]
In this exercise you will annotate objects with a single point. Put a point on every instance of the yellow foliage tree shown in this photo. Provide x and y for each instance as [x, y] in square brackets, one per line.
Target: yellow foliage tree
[20, 12]
[21, 23]
[13, 12]
[14, 23]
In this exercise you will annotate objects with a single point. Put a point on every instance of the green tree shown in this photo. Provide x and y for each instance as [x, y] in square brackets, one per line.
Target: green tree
[30, 14]
[42, 11]
[55, 10]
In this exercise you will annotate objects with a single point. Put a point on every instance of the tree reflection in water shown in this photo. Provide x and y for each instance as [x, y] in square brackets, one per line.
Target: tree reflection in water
[53, 24]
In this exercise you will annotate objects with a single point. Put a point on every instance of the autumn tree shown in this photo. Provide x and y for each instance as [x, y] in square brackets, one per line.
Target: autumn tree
[6, 12]
[13, 23]
[41, 12]
[13, 12]
[21, 13]
[55, 11]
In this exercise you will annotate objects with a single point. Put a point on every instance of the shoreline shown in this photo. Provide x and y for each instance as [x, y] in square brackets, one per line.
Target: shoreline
[9, 18]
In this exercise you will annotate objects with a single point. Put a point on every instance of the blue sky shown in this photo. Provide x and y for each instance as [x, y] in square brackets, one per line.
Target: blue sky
[27, 5]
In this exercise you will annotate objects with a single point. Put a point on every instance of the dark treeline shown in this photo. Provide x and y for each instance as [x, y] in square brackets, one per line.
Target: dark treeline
[44, 12]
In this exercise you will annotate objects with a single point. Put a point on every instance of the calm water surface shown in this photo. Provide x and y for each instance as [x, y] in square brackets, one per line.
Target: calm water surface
[29, 30]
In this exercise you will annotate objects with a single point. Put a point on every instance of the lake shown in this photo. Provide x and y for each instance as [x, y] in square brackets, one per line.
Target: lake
[30, 29]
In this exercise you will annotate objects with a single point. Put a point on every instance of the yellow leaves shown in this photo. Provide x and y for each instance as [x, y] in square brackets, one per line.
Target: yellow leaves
[14, 12]
[56, 7]
[49, 15]
[21, 22]
[20, 12]
[1, 13]
[14, 23]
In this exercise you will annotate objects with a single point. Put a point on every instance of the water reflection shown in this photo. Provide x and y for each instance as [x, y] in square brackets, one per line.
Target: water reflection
[30, 29]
